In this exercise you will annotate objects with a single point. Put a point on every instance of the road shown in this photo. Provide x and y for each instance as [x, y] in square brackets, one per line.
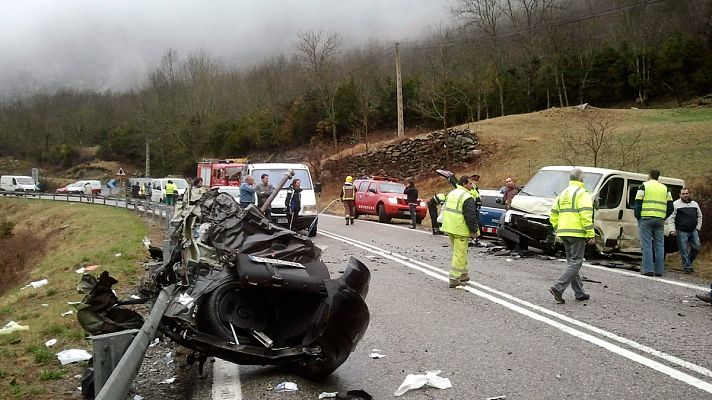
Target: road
[502, 335]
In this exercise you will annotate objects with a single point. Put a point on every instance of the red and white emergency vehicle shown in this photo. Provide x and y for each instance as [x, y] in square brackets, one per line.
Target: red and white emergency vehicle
[226, 172]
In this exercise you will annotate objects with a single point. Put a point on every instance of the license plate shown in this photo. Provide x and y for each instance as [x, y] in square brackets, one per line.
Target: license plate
[281, 220]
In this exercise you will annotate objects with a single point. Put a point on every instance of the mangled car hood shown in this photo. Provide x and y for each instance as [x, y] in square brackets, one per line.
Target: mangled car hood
[532, 204]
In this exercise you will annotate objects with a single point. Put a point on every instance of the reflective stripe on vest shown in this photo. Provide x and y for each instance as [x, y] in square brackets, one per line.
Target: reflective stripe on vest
[654, 196]
[453, 218]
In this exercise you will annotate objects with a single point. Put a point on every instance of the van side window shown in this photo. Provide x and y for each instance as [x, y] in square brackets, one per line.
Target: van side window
[632, 190]
[14, 181]
[611, 194]
[674, 191]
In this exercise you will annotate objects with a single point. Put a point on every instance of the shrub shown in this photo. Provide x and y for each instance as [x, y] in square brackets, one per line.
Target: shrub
[701, 191]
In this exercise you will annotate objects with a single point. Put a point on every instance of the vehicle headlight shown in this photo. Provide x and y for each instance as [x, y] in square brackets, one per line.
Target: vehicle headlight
[422, 204]
[309, 210]
[393, 200]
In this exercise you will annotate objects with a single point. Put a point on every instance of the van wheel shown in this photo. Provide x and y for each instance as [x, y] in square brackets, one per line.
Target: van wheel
[382, 217]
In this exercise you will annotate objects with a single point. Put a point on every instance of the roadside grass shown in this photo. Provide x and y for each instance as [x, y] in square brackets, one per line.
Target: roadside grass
[74, 235]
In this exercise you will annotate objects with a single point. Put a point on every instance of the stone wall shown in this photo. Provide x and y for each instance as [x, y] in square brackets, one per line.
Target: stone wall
[409, 157]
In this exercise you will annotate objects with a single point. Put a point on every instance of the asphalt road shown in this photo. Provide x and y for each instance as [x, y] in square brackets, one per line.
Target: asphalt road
[502, 335]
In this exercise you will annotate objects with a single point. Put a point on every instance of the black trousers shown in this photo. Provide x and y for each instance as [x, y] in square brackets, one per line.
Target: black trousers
[433, 211]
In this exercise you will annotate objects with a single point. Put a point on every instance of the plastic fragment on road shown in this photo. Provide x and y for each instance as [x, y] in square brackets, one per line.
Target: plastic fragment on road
[154, 342]
[509, 260]
[185, 299]
[73, 303]
[13, 326]
[51, 342]
[167, 381]
[328, 395]
[73, 355]
[146, 242]
[376, 355]
[80, 270]
[36, 284]
[117, 255]
[45, 305]
[497, 398]
[137, 397]
[70, 312]
[430, 378]
[286, 387]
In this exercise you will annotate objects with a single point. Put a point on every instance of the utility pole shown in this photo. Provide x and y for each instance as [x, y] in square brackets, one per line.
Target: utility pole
[148, 159]
[399, 91]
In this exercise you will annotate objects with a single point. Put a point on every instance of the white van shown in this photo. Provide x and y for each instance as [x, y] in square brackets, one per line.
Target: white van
[308, 215]
[158, 188]
[613, 196]
[17, 183]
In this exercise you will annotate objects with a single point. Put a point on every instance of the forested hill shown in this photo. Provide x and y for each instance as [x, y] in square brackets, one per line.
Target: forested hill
[494, 58]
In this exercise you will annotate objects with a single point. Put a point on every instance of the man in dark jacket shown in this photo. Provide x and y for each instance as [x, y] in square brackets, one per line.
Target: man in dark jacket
[293, 202]
[263, 191]
[685, 223]
[411, 194]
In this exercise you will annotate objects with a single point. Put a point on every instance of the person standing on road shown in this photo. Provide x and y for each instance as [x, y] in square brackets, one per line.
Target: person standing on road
[348, 197]
[478, 201]
[293, 202]
[685, 223]
[510, 191]
[460, 223]
[88, 192]
[653, 204]
[171, 189]
[572, 219]
[411, 194]
[247, 192]
[433, 206]
[263, 191]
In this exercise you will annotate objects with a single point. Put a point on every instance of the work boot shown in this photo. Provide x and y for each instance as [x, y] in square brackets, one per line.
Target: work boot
[454, 283]
[557, 295]
[464, 278]
[352, 221]
[347, 221]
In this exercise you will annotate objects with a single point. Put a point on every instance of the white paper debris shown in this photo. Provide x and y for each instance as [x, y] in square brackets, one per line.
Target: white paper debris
[167, 381]
[430, 378]
[154, 342]
[36, 284]
[13, 326]
[70, 312]
[73, 355]
[45, 305]
[117, 255]
[133, 296]
[497, 398]
[509, 260]
[376, 350]
[146, 241]
[184, 299]
[286, 387]
[328, 395]
[376, 355]
[73, 303]
[51, 342]
[137, 397]
[80, 270]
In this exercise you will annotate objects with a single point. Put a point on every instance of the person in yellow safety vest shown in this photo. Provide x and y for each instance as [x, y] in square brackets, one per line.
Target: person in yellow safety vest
[572, 218]
[171, 189]
[348, 197]
[460, 223]
[653, 204]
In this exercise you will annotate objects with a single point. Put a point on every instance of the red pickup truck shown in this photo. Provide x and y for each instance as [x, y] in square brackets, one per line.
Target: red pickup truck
[384, 197]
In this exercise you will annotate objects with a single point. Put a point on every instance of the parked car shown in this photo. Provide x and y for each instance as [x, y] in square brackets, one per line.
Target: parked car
[613, 196]
[17, 183]
[384, 197]
[491, 211]
[233, 191]
[158, 188]
[78, 187]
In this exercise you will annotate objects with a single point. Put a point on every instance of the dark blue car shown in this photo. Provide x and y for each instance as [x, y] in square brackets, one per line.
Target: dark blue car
[491, 211]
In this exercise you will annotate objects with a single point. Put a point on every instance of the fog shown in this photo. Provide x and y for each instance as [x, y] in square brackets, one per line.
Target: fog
[110, 45]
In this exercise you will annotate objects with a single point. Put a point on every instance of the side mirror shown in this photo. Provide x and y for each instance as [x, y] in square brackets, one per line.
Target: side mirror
[317, 187]
[596, 204]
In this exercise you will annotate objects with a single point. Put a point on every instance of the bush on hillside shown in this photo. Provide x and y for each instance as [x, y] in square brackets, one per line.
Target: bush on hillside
[702, 194]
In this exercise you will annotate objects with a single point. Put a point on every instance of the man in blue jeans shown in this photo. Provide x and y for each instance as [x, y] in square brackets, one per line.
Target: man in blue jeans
[685, 223]
[653, 204]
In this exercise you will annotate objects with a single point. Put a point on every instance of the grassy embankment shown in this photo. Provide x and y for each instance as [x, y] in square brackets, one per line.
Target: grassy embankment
[66, 236]
[675, 141]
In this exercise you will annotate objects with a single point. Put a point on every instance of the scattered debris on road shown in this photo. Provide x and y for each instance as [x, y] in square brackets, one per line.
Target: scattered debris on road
[51, 342]
[35, 284]
[13, 326]
[73, 355]
[430, 378]
[286, 387]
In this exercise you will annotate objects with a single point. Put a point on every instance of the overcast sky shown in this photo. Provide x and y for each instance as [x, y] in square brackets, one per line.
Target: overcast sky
[97, 44]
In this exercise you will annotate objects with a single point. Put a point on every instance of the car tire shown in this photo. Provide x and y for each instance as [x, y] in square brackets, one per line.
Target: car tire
[382, 217]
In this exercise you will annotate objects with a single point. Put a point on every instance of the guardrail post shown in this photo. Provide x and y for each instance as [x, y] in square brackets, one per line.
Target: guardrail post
[108, 350]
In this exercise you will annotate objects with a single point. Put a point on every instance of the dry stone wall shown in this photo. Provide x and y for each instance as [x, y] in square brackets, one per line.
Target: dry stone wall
[409, 157]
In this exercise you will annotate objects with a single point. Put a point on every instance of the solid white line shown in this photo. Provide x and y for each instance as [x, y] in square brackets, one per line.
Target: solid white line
[676, 374]
[360, 221]
[588, 265]
[667, 357]
[226, 381]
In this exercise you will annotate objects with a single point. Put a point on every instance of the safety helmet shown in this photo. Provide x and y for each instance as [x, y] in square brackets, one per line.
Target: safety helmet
[349, 179]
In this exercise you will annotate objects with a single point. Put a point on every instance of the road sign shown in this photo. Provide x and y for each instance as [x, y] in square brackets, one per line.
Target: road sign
[112, 184]
[121, 172]
[36, 175]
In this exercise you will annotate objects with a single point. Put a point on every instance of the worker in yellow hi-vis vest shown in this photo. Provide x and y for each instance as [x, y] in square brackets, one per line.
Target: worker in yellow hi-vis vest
[653, 204]
[460, 222]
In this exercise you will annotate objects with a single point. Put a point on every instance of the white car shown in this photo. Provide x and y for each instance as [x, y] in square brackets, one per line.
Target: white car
[233, 191]
[158, 190]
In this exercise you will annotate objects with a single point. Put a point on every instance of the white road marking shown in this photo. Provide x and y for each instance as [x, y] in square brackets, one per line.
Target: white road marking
[442, 275]
[588, 265]
[226, 381]
[360, 221]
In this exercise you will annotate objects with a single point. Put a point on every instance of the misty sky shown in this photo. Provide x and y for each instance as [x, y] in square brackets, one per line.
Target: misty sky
[100, 45]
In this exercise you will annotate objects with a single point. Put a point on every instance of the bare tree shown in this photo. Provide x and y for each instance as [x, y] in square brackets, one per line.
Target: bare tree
[317, 53]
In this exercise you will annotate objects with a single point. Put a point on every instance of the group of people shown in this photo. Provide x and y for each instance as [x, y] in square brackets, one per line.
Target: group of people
[249, 192]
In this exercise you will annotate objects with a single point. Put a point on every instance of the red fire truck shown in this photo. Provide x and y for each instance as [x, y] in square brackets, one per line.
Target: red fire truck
[226, 172]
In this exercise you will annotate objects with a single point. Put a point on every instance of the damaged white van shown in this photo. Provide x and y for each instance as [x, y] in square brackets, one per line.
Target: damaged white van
[613, 195]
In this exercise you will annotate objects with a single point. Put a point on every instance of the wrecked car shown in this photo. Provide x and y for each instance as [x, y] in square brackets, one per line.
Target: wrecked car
[251, 292]
[613, 192]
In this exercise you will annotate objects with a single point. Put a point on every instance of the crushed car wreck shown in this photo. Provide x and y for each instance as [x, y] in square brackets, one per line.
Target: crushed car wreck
[251, 292]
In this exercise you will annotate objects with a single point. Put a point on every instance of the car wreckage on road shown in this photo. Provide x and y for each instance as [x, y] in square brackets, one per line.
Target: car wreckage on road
[251, 292]
[613, 192]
